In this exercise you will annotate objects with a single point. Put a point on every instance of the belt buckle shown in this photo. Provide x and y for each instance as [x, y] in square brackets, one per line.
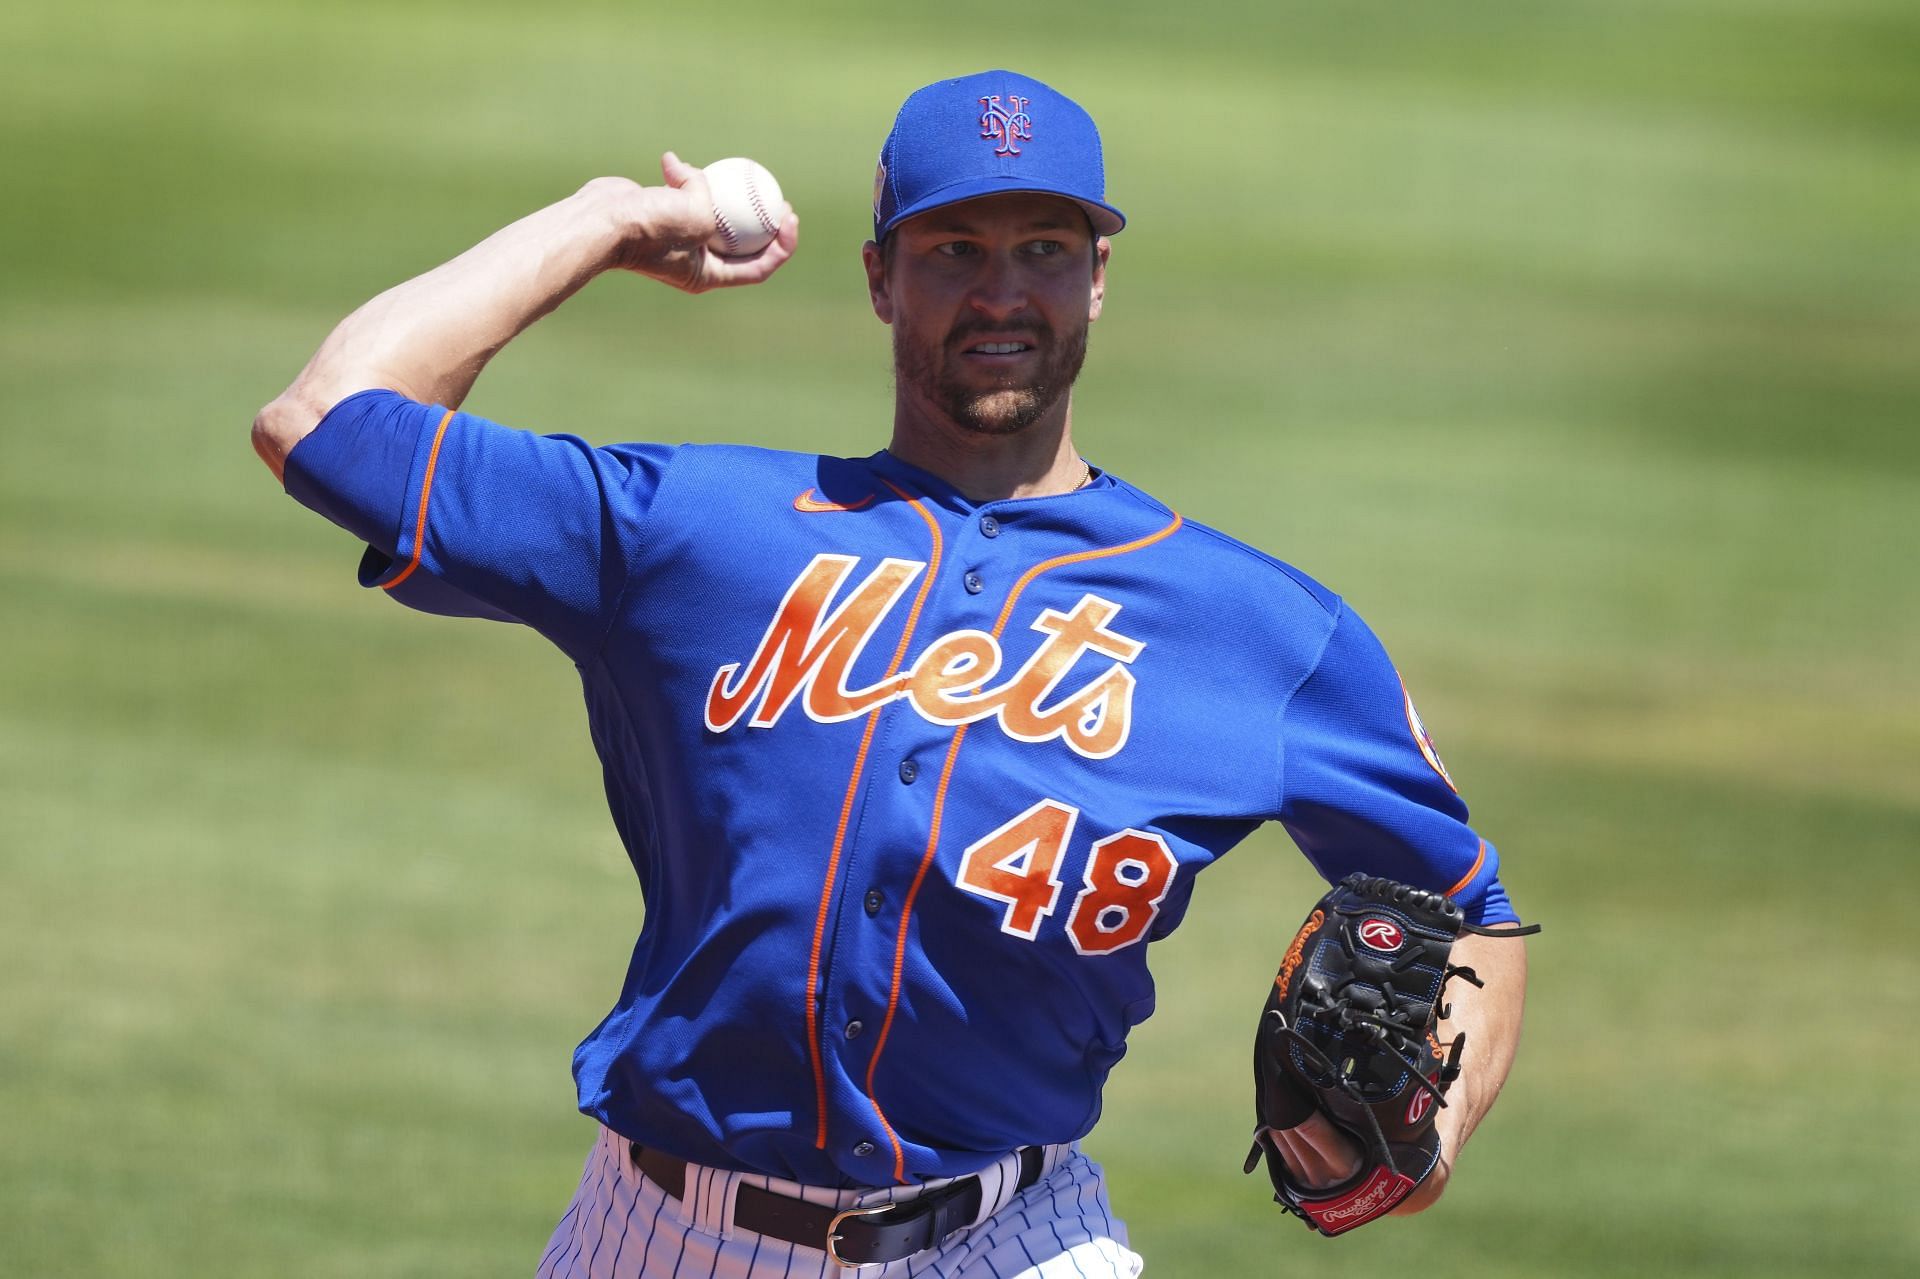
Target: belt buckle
[833, 1234]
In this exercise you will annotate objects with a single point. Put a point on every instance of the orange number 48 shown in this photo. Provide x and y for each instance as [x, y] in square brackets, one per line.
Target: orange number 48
[1018, 864]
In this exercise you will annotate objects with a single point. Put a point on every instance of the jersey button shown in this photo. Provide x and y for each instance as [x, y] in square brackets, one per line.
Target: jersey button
[874, 901]
[863, 1149]
[989, 527]
[854, 1028]
[974, 584]
[909, 771]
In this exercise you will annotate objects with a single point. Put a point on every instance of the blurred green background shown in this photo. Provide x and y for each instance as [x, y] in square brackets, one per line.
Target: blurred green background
[1574, 342]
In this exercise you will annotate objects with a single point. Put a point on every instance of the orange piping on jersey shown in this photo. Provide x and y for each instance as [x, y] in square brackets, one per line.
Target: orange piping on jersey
[808, 502]
[939, 809]
[420, 519]
[1467, 878]
[846, 815]
[900, 949]
[1013, 597]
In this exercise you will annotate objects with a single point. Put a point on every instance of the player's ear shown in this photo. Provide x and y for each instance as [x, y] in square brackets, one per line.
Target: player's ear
[1102, 250]
[874, 259]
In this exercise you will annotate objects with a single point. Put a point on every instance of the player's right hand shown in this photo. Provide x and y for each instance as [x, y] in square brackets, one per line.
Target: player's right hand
[666, 229]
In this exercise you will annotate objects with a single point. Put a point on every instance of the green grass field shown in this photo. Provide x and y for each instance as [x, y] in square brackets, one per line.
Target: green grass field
[1574, 342]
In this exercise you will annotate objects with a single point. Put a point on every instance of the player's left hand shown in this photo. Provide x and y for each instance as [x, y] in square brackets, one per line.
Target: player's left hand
[1316, 1152]
[1320, 1155]
[667, 228]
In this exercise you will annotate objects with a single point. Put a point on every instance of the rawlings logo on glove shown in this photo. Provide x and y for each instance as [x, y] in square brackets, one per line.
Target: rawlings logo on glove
[1348, 1031]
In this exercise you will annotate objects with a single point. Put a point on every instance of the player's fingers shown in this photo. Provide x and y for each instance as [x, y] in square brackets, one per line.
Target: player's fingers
[787, 238]
[1303, 1161]
[1340, 1151]
[1300, 1159]
[676, 171]
[727, 273]
[1317, 1151]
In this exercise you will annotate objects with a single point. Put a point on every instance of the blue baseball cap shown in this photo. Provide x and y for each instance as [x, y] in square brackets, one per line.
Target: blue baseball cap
[989, 134]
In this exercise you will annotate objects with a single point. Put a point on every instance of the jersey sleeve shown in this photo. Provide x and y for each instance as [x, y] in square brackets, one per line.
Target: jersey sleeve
[1365, 790]
[423, 591]
[465, 517]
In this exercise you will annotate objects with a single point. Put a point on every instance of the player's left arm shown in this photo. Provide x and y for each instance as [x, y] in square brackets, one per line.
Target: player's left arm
[1489, 1016]
[1365, 790]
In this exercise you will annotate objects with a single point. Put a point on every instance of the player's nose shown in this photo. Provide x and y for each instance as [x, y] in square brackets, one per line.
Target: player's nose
[1000, 287]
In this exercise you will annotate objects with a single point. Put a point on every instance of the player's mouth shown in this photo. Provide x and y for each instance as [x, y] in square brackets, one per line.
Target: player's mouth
[998, 350]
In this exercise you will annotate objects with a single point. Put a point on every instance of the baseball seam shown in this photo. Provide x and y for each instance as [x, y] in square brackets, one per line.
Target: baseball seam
[759, 207]
[726, 230]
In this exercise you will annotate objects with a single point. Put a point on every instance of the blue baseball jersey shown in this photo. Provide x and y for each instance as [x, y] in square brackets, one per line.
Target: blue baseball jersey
[910, 782]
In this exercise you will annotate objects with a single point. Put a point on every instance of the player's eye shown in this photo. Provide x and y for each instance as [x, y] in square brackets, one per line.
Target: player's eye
[1045, 248]
[954, 249]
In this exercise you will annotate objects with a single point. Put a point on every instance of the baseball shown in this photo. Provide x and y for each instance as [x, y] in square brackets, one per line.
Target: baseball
[746, 207]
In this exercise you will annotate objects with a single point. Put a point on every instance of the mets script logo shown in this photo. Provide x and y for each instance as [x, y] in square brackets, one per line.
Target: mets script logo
[1381, 934]
[1008, 126]
[807, 653]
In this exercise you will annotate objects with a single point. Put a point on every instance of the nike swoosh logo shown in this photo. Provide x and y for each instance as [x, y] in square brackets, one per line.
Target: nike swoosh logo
[808, 502]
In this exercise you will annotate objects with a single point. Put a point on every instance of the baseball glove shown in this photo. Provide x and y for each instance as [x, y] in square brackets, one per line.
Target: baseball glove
[1349, 1030]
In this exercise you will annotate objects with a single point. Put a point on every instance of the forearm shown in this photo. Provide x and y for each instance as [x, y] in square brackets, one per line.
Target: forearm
[1490, 1017]
[429, 337]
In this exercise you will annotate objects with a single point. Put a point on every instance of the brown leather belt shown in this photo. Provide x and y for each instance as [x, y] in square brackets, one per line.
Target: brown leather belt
[849, 1236]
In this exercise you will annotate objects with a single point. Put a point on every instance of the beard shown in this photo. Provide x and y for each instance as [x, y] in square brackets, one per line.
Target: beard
[1007, 409]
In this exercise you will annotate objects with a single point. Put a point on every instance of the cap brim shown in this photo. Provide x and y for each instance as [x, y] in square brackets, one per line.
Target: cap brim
[1106, 219]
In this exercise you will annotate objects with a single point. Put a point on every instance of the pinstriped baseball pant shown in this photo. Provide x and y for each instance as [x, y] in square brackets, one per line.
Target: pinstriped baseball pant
[623, 1226]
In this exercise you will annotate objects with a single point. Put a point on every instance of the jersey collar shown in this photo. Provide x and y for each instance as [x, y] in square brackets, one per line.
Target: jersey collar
[932, 486]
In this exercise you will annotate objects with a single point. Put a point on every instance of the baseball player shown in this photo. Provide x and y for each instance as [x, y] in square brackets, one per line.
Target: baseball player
[913, 754]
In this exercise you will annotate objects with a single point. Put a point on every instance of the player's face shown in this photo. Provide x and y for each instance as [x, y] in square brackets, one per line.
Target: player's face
[990, 302]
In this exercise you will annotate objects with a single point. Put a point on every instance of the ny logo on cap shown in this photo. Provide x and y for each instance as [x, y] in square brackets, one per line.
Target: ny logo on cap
[1008, 126]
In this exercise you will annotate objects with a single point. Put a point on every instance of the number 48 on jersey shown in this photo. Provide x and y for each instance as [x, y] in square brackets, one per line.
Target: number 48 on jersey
[1127, 877]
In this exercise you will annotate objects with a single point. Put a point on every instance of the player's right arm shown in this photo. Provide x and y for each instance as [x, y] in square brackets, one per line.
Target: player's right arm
[429, 338]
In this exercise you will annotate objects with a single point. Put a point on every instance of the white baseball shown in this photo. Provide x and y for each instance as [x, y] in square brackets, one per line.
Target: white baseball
[746, 207]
